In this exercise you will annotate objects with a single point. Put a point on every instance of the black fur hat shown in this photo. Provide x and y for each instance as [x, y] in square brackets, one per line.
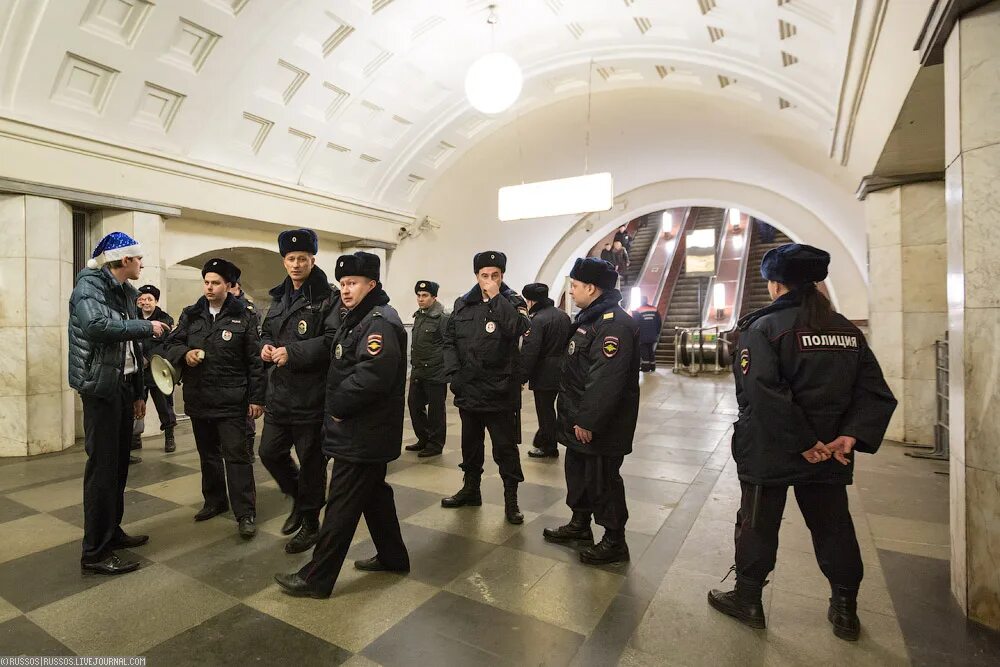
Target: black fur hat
[795, 264]
[595, 271]
[426, 286]
[227, 270]
[489, 258]
[359, 264]
[298, 240]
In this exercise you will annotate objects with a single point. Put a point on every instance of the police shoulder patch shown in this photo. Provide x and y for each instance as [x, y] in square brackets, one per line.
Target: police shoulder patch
[610, 346]
[374, 344]
[745, 360]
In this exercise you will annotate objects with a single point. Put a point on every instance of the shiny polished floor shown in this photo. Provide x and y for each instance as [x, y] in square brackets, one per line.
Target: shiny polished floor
[483, 592]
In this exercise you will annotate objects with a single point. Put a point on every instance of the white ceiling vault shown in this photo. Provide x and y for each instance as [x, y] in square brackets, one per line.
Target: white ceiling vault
[363, 99]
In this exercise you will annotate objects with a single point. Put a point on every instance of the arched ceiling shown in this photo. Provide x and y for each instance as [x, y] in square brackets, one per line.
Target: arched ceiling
[364, 99]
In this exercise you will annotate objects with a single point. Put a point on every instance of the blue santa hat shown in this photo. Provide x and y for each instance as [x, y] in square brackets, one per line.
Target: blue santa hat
[113, 247]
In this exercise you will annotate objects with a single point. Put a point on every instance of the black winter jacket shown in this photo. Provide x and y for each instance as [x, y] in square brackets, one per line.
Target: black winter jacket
[427, 344]
[544, 347]
[796, 387]
[296, 391]
[600, 379]
[232, 375]
[102, 318]
[366, 383]
[154, 346]
[650, 324]
[252, 311]
[480, 350]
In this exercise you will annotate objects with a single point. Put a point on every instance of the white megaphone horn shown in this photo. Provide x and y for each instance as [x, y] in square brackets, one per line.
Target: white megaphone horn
[165, 375]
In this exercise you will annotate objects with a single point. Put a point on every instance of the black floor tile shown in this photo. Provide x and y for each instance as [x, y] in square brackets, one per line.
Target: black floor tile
[138, 506]
[19, 636]
[476, 634]
[240, 636]
[435, 557]
[11, 511]
[530, 497]
[44, 577]
[151, 471]
[409, 501]
[934, 628]
[238, 567]
[657, 491]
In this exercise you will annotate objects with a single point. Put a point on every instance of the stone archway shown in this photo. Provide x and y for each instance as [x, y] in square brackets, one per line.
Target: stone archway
[847, 282]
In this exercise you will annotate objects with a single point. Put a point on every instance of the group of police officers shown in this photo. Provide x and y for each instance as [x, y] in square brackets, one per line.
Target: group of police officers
[327, 368]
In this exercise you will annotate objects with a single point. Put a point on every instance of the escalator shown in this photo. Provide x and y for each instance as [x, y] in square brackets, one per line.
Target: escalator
[755, 295]
[645, 234]
[683, 310]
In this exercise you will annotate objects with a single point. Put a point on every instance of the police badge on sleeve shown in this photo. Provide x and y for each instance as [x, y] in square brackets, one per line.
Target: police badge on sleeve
[303, 327]
[227, 335]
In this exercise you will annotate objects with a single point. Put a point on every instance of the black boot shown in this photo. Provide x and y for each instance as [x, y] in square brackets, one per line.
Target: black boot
[306, 538]
[415, 447]
[742, 603]
[844, 613]
[611, 549]
[136, 441]
[510, 508]
[247, 527]
[292, 523]
[468, 495]
[577, 530]
[132, 460]
[169, 444]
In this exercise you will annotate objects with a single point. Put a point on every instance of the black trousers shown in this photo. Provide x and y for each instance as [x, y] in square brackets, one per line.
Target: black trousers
[824, 507]
[594, 485]
[164, 406]
[107, 425]
[225, 463]
[305, 482]
[647, 354]
[503, 434]
[356, 489]
[251, 435]
[545, 409]
[427, 412]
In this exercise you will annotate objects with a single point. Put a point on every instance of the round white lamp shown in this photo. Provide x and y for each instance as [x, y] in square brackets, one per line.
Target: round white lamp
[493, 83]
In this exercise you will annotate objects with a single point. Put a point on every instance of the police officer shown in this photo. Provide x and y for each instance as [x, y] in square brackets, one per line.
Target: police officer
[480, 352]
[428, 382]
[810, 392]
[149, 309]
[363, 431]
[297, 385]
[236, 289]
[224, 381]
[650, 325]
[542, 349]
[598, 408]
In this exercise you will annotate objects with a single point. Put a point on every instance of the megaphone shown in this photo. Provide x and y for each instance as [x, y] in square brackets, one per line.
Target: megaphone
[164, 374]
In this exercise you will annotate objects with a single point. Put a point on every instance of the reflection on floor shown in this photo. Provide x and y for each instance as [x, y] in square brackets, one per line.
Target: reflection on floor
[482, 591]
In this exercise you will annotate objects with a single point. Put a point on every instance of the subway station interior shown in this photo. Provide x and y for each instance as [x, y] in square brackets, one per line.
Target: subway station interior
[426, 131]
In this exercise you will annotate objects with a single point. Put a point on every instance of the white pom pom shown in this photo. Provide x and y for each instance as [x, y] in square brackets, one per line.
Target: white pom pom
[92, 263]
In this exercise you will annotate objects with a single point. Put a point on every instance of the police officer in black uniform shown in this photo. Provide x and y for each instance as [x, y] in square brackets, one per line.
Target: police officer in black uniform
[542, 349]
[149, 309]
[810, 392]
[598, 408]
[480, 352]
[297, 384]
[218, 348]
[236, 289]
[428, 381]
[650, 327]
[363, 430]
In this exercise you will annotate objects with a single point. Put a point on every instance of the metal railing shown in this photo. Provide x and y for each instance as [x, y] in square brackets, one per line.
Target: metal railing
[698, 351]
[941, 448]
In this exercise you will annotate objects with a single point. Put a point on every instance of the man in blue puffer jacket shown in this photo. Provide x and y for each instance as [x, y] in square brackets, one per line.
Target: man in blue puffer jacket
[105, 367]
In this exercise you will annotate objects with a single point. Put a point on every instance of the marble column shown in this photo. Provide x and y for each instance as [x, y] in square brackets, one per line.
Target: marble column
[907, 297]
[36, 279]
[972, 156]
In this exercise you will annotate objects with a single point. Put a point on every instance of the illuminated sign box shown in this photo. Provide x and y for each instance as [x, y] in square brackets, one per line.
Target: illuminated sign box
[564, 196]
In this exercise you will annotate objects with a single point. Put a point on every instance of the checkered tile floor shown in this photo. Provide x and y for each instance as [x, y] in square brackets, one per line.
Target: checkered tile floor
[480, 592]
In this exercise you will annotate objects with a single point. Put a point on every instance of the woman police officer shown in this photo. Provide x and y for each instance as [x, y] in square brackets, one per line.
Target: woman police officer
[809, 391]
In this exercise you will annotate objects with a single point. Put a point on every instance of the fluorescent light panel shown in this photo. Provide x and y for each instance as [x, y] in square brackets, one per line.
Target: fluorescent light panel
[564, 196]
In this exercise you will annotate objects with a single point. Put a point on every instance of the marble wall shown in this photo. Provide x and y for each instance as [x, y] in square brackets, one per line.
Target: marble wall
[972, 154]
[907, 298]
[36, 279]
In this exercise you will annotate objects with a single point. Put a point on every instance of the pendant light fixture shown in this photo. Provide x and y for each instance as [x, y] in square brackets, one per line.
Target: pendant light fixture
[493, 83]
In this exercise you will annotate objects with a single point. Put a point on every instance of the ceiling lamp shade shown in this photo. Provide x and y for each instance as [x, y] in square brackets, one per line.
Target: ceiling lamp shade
[564, 196]
[493, 83]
